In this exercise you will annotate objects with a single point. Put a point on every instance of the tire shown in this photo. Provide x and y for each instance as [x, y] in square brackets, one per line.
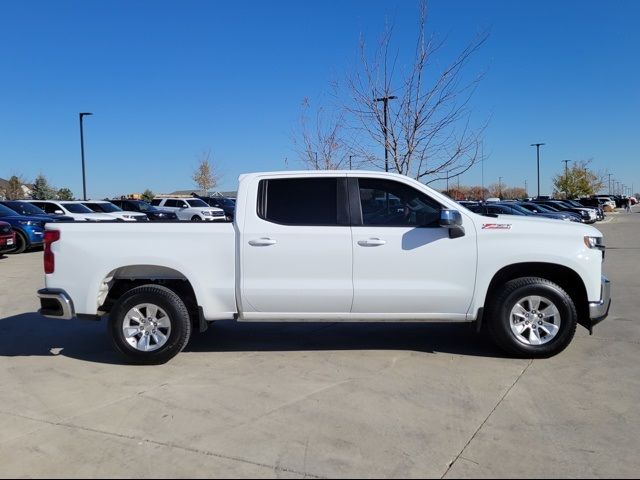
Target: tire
[21, 244]
[532, 317]
[196, 218]
[172, 321]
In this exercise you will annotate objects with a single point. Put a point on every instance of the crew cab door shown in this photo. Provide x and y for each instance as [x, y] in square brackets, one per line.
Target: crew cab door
[295, 249]
[404, 263]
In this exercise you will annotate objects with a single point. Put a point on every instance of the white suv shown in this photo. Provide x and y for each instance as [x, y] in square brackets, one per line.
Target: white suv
[76, 210]
[108, 208]
[192, 209]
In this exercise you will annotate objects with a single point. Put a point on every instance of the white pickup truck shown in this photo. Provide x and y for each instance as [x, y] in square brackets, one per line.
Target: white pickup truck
[329, 246]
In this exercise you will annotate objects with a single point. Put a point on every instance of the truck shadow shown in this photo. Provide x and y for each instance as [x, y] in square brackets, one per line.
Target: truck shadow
[30, 334]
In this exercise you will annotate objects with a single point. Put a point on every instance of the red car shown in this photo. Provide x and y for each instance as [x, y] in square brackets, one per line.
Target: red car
[7, 237]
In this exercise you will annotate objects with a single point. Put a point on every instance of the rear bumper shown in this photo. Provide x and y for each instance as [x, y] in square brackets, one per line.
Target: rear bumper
[55, 303]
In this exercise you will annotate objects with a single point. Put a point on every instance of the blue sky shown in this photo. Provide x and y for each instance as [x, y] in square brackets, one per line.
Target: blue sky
[169, 80]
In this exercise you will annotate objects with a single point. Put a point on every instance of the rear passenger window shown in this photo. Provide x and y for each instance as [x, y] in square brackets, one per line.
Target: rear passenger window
[155, 201]
[171, 203]
[299, 201]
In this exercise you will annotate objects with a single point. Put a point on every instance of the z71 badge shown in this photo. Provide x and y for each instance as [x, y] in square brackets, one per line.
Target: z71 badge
[496, 226]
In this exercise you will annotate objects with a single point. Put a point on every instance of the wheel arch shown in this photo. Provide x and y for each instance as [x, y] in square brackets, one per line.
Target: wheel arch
[568, 279]
[123, 279]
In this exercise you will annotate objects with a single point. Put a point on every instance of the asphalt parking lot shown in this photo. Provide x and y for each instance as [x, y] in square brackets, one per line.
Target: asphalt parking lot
[320, 400]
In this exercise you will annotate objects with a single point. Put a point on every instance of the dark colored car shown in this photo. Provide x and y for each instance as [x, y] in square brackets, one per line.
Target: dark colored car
[597, 207]
[559, 205]
[154, 214]
[497, 209]
[7, 238]
[226, 204]
[29, 230]
[29, 209]
[550, 212]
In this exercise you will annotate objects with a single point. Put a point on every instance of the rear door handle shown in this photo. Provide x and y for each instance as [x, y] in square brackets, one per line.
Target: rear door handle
[262, 242]
[372, 242]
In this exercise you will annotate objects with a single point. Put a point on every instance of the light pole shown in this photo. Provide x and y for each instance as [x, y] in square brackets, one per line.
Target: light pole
[566, 177]
[84, 182]
[350, 157]
[538, 145]
[526, 190]
[609, 183]
[500, 187]
[385, 102]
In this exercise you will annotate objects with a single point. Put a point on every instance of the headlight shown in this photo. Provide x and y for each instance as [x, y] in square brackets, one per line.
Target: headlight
[27, 222]
[128, 216]
[206, 214]
[593, 242]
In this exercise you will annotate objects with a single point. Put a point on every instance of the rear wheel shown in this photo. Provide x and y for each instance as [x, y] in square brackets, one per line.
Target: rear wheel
[532, 317]
[150, 325]
[21, 244]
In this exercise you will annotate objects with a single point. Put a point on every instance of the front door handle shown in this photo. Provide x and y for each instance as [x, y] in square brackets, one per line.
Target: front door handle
[262, 242]
[372, 242]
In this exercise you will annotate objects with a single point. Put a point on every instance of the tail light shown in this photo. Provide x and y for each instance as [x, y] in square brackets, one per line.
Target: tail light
[50, 236]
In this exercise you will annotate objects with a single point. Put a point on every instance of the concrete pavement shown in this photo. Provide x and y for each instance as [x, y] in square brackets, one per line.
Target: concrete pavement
[320, 400]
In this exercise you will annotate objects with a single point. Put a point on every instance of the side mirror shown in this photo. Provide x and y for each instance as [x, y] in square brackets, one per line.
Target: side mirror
[452, 219]
[59, 212]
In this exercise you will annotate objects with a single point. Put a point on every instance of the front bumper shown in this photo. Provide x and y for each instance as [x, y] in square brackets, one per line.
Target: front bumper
[599, 310]
[55, 303]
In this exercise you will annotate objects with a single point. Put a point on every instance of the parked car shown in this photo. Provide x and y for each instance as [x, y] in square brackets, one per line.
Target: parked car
[29, 209]
[605, 200]
[72, 209]
[550, 212]
[192, 209]
[29, 230]
[496, 208]
[597, 208]
[154, 214]
[7, 238]
[108, 208]
[587, 215]
[299, 250]
[226, 204]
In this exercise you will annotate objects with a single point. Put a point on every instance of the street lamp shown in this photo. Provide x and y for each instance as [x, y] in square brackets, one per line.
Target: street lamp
[500, 187]
[385, 102]
[538, 145]
[84, 182]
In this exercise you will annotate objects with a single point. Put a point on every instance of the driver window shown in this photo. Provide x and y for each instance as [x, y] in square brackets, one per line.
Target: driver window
[394, 204]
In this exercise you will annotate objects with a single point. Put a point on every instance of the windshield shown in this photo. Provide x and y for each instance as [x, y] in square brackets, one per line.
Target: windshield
[227, 202]
[573, 203]
[7, 212]
[521, 209]
[76, 208]
[197, 203]
[145, 207]
[542, 208]
[103, 207]
[24, 208]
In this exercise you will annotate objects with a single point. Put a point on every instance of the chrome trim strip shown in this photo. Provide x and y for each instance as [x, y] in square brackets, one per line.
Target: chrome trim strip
[599, 310]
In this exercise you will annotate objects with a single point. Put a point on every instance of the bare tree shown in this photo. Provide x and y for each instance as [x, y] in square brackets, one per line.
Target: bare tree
[204, 175]
[428, 131]
[13, 189]
[319, 142]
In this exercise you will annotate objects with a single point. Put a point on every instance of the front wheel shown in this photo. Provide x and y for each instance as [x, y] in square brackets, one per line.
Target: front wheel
[21, 244]
[532, 317]
[196, 218]
[150, 325]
